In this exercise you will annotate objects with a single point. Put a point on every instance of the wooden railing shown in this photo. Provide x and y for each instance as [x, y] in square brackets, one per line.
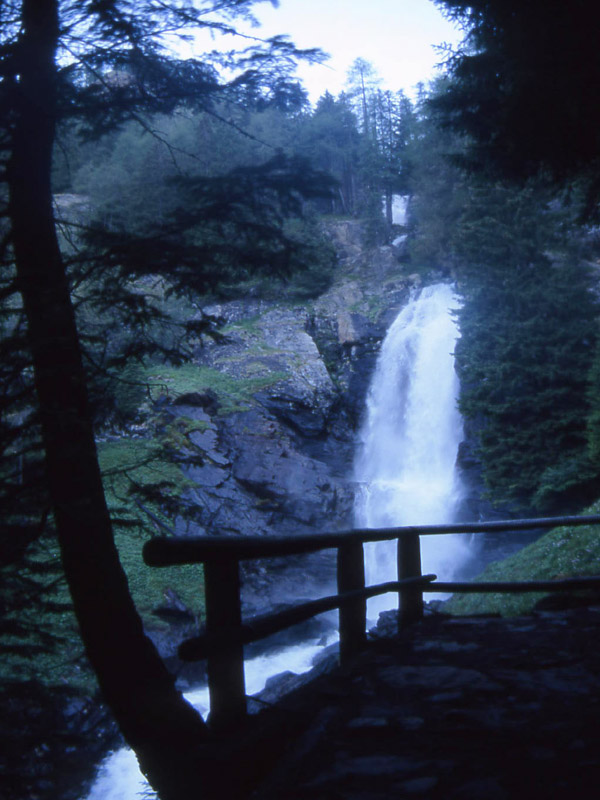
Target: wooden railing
[223, 639]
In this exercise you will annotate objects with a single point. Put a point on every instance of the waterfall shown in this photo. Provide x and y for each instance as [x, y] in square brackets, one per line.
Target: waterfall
[405, 465]
[405, 468]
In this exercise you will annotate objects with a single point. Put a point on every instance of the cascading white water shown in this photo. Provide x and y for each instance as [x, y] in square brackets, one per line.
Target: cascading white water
[119, 777]
[405, 465]
[405, 468]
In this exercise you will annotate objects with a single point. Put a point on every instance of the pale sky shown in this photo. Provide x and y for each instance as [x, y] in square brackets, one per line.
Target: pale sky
[396, 36]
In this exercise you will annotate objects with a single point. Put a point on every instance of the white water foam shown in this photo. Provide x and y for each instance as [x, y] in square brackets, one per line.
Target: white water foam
[119, 777]
[405, 465]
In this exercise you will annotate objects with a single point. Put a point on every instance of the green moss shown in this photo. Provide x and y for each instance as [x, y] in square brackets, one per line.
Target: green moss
[565, 552]
[176, 434]
[143, 463]
[374, 307]
[65, 662]
[129, 462]
[250, 325]
[254, 350]
[235, 394]
[148, 585]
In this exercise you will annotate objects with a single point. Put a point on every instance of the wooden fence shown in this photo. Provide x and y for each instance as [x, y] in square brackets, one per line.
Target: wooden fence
[225, 634]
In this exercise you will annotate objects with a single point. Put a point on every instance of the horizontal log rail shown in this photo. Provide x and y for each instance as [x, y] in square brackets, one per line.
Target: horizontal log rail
[512, 587]
[257, 628]
[222, 642]
[164, 552]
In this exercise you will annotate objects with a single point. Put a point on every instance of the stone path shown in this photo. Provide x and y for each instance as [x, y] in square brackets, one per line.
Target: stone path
[454, 709]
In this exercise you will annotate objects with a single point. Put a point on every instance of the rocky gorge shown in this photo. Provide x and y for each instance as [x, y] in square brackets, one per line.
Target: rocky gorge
[263, 427]
[276, 429]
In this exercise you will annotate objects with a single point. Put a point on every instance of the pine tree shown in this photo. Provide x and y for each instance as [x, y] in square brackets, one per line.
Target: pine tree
[528, 327]
[438, 188]
[525, 88]
[102, 63]
[330, 139]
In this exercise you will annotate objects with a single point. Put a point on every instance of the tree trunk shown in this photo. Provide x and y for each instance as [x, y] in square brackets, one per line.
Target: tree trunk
[157, 722]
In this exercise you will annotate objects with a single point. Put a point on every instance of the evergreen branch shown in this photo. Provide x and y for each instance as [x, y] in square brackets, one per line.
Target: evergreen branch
[157, 521]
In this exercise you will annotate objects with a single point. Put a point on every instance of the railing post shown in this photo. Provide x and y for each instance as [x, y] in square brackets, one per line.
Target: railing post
[410, 605]
[225, 669]
[352, 615]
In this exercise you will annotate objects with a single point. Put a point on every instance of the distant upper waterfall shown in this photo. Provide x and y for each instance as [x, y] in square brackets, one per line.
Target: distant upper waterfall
[405, 464]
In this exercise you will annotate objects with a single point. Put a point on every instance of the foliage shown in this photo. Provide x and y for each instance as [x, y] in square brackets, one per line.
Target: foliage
[317, 257]
[528, 326]
[566, 552]
[198, 200]
[525, 89]
[329, 137]
[39, 638]
[438, 189]
[144, 490]
[528, 321]
[30, 571]
[134, 465]
[360, 138]
[222, 230]
[130, 391]
[101, 64]
[387, 123]
[38, 627]
[593, 420]
[361, 82]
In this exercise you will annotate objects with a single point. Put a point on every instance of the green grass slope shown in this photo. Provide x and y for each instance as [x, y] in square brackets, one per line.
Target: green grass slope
[565, 552]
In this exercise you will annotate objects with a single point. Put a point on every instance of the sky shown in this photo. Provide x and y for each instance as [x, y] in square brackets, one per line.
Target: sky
[396, 36]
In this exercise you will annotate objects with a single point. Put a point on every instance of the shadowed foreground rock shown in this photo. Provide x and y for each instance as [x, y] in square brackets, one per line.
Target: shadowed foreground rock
[466, 708]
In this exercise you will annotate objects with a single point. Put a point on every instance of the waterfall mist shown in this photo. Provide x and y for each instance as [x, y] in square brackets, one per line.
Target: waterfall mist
[405, 464]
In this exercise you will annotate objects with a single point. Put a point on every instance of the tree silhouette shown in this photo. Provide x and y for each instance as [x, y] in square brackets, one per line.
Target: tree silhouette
[526, 89]
[102, 62]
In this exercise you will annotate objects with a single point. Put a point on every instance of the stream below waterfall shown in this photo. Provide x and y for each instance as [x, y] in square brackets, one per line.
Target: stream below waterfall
[119, 777]
[405, 470]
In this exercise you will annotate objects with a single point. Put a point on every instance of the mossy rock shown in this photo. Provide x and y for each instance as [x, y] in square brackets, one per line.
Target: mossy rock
[234, 394]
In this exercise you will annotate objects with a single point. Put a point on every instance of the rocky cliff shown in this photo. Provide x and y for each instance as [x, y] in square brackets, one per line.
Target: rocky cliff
[276, 431]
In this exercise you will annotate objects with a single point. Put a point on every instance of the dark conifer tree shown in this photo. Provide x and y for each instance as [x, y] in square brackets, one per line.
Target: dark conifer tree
[526, 89]
[102, 63]
[528, 327]
[330, 139]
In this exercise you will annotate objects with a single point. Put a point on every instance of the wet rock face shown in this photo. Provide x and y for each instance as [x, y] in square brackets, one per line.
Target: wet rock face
[277, 459]
[304, 399]
[350, 320]
[298, 489]
[268, 449]
[282, 463]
